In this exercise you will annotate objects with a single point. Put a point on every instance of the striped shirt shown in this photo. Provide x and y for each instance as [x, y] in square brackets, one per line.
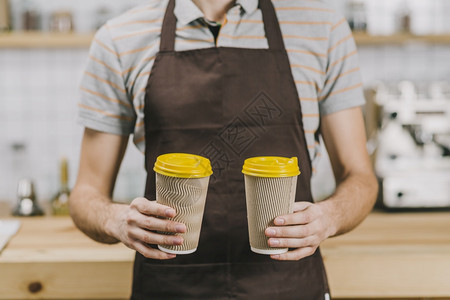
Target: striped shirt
[320, 46]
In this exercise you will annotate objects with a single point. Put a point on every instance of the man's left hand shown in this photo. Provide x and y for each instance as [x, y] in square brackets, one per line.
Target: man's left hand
[303, 230]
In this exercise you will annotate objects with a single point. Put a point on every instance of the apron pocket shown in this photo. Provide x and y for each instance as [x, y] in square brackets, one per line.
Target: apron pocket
[279, 280]
[196, 281]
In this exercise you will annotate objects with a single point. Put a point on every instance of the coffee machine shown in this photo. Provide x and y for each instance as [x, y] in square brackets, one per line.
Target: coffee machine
[412, 159]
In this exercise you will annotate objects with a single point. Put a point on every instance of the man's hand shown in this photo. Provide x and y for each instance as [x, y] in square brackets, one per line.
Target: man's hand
[356, 191]
[138, 226]
[304, 230]
[93, 212]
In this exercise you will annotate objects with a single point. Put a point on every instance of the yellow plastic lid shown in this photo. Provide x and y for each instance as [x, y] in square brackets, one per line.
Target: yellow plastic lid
[271, 166]
[183, 165]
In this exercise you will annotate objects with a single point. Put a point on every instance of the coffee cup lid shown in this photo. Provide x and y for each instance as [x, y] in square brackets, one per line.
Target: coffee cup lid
[183, 165]
[271, 166]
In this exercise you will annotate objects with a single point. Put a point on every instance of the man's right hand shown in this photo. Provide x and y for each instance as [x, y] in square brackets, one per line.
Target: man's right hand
[138, 224]
[93, 212]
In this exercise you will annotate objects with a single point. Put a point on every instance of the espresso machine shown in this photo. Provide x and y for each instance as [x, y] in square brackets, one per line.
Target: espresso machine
[412, 159]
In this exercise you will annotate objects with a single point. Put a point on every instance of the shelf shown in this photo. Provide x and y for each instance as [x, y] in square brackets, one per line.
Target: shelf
[363, 39]
[44, 40]
[60, 40]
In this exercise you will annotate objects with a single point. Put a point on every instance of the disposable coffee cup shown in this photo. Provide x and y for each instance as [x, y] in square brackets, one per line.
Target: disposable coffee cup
[182, 184]
[270, 186]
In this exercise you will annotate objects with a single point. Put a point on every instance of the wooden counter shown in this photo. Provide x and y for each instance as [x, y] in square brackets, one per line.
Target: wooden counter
[392, 255]
[388, 256]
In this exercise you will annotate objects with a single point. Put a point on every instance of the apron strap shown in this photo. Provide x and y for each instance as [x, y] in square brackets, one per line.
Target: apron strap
[271, 27]
[169, 28]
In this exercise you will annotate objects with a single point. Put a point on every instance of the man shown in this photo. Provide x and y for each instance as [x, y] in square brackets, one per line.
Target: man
[227, 80]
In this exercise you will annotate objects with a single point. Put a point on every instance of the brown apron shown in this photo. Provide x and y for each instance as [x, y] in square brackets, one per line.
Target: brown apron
[226, 104]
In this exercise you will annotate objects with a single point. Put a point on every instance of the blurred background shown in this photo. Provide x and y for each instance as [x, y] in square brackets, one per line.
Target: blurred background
[404, 48]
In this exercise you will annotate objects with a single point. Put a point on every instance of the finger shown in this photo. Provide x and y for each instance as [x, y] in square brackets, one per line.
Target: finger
[152, 223]
[154, 238]
[305, 216]
[152, 208]
[292, 243]
[296, 254]
[298, 206]
[300, 231]
[149, 252]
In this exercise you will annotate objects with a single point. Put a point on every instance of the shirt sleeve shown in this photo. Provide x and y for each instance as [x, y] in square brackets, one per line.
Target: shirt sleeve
[343, 87]
[104, 103]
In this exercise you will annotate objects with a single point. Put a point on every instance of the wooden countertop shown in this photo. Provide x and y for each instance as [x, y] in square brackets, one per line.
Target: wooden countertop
[390, 255]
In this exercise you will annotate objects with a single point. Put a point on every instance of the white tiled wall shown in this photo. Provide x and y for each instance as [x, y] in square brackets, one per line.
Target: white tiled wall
[418, 62]
[38, 107]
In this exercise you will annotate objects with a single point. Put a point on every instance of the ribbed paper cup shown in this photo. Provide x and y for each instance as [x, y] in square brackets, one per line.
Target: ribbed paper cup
[270, 186]
[182, 183]
[187, 196]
